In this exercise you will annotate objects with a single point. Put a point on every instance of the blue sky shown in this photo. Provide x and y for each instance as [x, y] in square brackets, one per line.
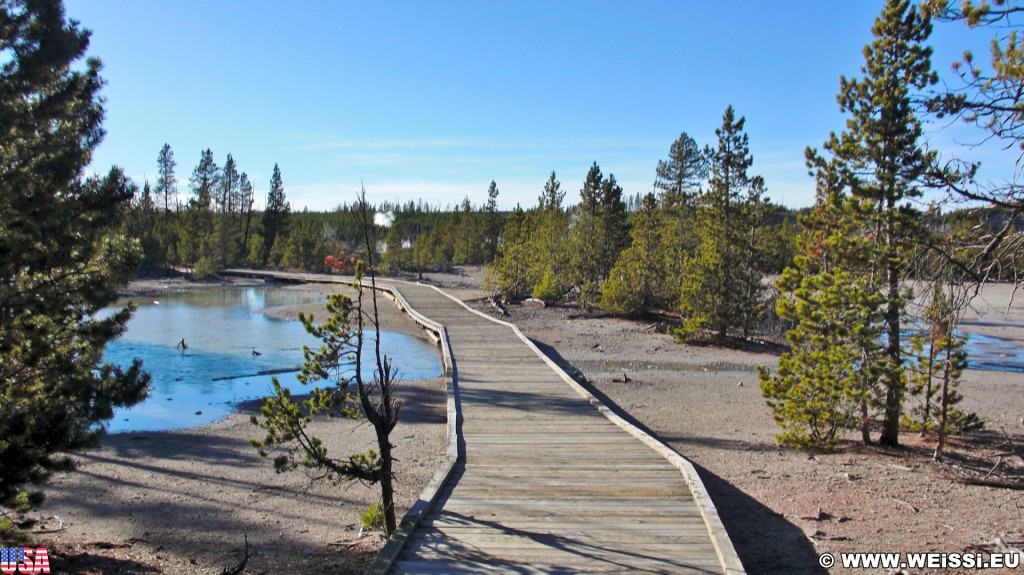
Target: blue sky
[433, 100]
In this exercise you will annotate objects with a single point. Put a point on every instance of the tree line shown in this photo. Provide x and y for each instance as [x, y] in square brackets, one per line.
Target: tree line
[215, 227]
[705, 247]
[699, 245]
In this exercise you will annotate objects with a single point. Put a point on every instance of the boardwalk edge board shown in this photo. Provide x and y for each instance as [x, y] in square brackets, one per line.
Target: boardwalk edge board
[727, 555]
[393, 547]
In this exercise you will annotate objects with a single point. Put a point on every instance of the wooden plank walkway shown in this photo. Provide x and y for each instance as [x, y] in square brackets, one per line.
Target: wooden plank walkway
[543, 479]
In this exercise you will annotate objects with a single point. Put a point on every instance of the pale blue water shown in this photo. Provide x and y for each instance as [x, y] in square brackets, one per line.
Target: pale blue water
[984, 353]
[222, 327]
[989, 353]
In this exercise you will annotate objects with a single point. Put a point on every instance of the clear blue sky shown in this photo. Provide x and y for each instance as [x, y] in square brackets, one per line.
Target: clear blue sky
[433, 100]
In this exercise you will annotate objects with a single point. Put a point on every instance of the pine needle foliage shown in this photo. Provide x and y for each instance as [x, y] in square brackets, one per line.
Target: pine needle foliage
[636, 283]
[350, 391]
[718, 290]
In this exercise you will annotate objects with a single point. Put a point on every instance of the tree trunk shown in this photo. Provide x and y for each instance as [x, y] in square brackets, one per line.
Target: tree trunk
[894, 368]
[941, 445]
[926, 416]
[865, 423]
[387, 490]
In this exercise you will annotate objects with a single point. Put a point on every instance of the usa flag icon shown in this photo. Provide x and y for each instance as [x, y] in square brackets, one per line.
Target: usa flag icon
[24, 560]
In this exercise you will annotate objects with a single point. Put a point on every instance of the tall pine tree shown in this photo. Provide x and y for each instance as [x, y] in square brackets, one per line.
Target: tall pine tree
[614, 227]
[678, 180]
[587, 238]
[166, 182]
[637, 282]
[492, 223]
[715, 293]
[548, 275]
[680, 176]
[881, 160]
[61, 260]
[275, 218]
[828, 381]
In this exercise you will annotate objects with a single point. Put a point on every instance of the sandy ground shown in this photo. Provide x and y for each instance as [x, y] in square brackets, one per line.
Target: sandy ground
[180, 502]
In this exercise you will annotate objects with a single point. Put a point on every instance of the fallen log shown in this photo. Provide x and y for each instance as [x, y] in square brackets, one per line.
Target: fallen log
[259, 373]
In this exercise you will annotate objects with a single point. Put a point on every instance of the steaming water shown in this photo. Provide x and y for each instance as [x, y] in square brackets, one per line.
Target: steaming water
[222, 327]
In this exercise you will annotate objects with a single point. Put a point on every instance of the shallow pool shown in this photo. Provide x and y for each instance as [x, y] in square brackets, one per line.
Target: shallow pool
[223, 327]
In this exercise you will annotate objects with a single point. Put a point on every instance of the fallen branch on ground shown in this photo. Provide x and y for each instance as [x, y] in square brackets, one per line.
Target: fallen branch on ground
[498, 306]
[902, 502]
[58, 529]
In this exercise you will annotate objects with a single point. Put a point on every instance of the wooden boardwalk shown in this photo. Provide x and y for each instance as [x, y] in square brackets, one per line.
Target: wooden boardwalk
[541, 478]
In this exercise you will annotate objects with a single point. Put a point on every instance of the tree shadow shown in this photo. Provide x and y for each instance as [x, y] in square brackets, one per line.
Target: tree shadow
[430, 550]
[90, 562]
[165, 499]
[766, 542]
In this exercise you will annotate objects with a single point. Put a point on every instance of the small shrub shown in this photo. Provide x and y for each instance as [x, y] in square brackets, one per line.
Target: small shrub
[548, 289]
[373, 518]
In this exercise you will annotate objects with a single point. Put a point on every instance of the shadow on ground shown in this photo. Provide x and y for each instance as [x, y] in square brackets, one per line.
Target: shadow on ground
[434, 551]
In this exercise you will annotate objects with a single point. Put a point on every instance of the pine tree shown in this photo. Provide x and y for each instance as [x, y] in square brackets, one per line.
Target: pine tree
[509, 273]
[548, 275]
[397, 256]
[824, 384]
[61, 258]
[470, 235]
[305, 249]
[492, 223]
[195, 227]
[246, 194]
[275, 218]
[636, 283]
[881, 160]
[680, 176]
[587, 238]
[142, 223]
[166, 182]
[614, 226]
[552, 196]
[679, 179]
[941, 361]
[204, 181]
[715, 293]
[827, 382]
[755, 254]
[228, 205]
[352, 391]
